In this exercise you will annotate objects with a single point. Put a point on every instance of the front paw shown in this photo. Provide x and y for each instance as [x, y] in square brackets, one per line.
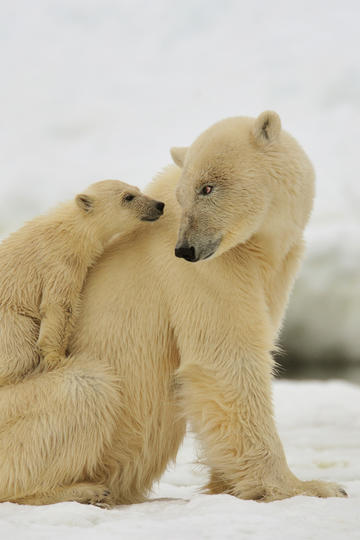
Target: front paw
[313, 488]
[273, 489]
[317, 488]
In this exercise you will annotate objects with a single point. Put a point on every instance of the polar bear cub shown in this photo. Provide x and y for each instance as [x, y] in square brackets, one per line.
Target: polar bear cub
[43, 267]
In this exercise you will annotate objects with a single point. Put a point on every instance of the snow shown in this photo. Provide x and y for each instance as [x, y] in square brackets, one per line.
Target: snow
[319, 424]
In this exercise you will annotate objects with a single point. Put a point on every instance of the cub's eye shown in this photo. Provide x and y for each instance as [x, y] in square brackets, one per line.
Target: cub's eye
[129, 197]
[206, 190]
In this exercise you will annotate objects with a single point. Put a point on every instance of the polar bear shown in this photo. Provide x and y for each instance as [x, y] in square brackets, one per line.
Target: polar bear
[43, 267]
[162, 339]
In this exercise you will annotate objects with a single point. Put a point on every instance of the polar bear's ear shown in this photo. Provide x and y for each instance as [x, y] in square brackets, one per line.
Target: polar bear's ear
[266, 128]
[178, 154]
[85, 202]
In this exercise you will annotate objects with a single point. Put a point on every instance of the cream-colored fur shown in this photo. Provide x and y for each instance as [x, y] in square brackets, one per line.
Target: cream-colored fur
[160, 340]
[43, 267]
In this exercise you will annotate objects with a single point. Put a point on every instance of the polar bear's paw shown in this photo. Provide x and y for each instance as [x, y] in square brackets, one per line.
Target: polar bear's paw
[274, 492]
[99, 496]
[313, 488]
[316, 488]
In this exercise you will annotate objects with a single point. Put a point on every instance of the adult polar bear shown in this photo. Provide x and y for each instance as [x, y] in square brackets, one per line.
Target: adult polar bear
[159, 336]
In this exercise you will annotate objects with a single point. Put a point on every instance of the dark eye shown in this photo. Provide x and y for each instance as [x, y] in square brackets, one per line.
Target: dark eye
[129, 197]
[206, 190]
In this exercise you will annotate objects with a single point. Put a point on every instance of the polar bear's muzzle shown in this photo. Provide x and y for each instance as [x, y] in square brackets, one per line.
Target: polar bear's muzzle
[194, 253]
[154, 211]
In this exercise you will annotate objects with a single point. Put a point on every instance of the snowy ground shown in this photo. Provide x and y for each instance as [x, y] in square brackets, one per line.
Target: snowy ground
[95, 89]
[320, 427]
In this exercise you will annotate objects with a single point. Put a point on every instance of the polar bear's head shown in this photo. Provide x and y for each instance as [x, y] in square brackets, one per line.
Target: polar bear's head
[237, 178]
[112, 207]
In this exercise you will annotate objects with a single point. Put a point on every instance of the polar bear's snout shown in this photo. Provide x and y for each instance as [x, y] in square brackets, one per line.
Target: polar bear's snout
[186, 252]
[154, 211]
[160, 207]
[198, 252]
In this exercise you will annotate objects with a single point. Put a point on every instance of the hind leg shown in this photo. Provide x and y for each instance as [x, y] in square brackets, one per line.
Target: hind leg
[18, 354]
[55, 429]
[82, 492]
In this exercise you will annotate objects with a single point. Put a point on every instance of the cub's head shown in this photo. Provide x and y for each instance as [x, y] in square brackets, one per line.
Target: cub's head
[231, 176]
[115, 207]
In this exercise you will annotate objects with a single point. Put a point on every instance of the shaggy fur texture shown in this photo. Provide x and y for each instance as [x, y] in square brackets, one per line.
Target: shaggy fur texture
[43, 267]
[160, 340]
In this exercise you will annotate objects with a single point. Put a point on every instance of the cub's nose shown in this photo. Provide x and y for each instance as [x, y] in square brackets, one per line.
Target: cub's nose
[160, 206]
[186, 252]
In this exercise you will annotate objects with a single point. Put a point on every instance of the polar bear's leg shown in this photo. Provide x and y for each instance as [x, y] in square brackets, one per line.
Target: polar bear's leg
[18, 356]
[54, 428]
[227, 398]
[52, 343]
[82, 492]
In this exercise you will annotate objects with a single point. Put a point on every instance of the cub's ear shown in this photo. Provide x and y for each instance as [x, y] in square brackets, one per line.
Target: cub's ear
[266, 128]
[178, 154]
[85, 202]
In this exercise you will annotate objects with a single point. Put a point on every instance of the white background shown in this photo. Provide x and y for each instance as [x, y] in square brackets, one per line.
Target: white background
[102, 89]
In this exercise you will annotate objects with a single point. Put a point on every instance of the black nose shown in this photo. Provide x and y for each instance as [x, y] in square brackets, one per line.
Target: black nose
[160, 206]
[185, 252]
